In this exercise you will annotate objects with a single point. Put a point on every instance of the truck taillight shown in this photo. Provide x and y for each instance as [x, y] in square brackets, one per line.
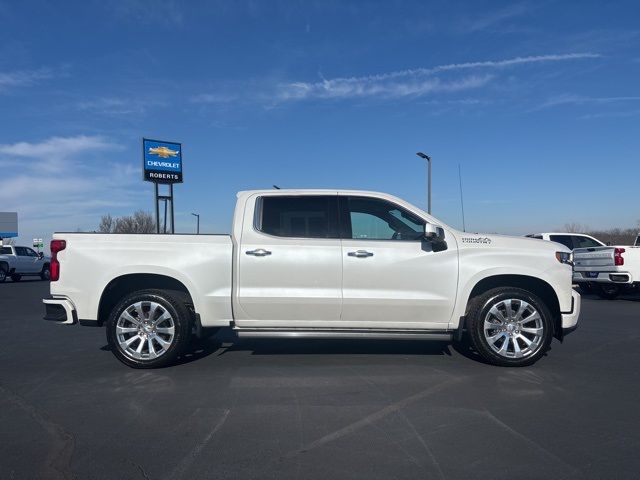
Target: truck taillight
[56, 246]
[618, 259]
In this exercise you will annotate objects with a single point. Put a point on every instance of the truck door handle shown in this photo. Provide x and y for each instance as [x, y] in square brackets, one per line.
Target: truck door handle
[260, 252]
[360, 254]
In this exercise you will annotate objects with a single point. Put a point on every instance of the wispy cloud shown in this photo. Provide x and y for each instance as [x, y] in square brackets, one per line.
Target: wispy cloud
[65, 182]
[492, 19]
[214, 98]
[119, 105]
[166, 13]
[571, 99]
[48, 155]
[614, 114]
[23, 78]
[413, 82]
[364, 87]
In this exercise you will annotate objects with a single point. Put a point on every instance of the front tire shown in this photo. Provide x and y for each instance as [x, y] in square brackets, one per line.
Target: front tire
[149, 329]
[510, 327]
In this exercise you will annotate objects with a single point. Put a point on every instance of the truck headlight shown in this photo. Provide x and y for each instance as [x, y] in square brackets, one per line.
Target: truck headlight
[564, 257]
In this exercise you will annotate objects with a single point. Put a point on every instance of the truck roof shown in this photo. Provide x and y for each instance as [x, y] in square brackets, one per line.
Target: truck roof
[311, 191]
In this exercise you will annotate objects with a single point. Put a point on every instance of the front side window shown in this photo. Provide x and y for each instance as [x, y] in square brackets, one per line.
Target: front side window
[376, 219]
[563, 239]
[301, 217]
[31, 252]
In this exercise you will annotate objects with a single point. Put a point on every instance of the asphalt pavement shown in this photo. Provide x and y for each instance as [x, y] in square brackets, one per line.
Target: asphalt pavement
[302, 409]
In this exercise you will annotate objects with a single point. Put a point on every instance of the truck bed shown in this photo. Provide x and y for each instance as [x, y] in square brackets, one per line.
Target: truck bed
[202, 263]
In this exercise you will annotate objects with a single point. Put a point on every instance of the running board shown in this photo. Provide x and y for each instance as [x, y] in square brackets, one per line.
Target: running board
[376, 334]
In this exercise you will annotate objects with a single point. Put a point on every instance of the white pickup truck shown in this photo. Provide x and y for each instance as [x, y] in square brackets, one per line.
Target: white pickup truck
[612, 270]
[17, 262]
[319, 264]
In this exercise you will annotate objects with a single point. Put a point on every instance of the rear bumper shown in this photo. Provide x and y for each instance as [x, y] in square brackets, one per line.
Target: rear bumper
[60, 310]
[603, 277]
[570, 319]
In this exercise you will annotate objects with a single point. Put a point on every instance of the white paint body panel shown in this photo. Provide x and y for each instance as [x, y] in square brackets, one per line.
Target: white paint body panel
[201, 262]
[311, 283]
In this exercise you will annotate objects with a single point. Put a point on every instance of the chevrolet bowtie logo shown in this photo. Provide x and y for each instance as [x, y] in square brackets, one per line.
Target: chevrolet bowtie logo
[163, 152]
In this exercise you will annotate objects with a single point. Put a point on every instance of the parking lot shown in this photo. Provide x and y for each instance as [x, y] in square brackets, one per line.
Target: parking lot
[316, 409]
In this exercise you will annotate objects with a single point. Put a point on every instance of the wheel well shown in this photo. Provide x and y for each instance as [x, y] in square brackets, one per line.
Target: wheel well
[532, 284]
[125, 284]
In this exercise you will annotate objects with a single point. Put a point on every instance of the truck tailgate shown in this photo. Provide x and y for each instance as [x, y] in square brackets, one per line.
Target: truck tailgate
[584, 258]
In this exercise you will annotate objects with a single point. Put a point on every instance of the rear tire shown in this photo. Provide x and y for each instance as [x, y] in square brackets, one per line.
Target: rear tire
[45, 274]
[608, 291]
[510, 327]
[16, 277]
[3, 273]
[585, 288]
[149, 328]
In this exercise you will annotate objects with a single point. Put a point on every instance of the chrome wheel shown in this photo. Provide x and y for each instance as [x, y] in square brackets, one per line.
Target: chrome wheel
[145, 330]
[513, 328]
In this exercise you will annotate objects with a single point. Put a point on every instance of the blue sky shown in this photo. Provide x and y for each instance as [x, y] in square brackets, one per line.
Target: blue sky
[539, 102]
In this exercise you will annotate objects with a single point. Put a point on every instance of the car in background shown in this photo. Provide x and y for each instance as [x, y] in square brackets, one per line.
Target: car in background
[16, 262]
[610, 270]
[569, 240]
[573, 241]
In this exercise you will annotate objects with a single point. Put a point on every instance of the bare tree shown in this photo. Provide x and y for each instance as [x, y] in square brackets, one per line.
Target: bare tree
[139, 222]
[575, 227]
[106, 224]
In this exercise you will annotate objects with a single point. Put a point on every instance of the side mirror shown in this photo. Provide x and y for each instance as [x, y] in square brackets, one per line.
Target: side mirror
[40, 255]
[433, 232]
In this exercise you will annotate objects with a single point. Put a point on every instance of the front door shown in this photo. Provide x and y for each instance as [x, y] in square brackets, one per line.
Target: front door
[289, 263]
[392, 276]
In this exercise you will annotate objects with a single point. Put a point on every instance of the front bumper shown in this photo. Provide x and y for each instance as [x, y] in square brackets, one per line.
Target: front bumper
[570, 319]
[60, 310]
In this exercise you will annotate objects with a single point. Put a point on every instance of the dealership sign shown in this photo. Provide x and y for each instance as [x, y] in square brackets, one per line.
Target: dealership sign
[162, 161]
[8, 224]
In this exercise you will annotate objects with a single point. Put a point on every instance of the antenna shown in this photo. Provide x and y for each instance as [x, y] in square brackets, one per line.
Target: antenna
[464, 229]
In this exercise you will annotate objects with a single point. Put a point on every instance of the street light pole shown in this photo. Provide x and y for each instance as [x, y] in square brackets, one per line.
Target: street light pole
[428, 159]
[198, 223]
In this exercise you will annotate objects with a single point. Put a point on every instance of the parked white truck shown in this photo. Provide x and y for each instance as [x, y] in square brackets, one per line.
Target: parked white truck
[319, 264]
[17, 262]
[612, 270]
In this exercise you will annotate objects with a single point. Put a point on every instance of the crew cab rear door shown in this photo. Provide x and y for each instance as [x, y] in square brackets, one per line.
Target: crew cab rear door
[289, 262]
[392, 276]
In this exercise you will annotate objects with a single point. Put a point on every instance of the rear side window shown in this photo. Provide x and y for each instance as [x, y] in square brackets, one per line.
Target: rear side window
[563, 239]
[298, 216]
[5, 251]
[21, 252]
[584, 242]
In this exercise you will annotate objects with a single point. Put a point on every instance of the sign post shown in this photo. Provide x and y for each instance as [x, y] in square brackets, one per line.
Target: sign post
[162, 164]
